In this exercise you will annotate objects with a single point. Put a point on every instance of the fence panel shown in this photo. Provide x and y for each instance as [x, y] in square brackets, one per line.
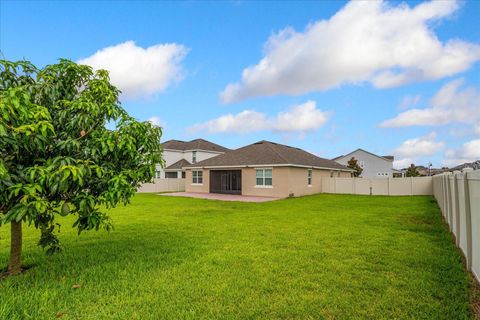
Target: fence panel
[380, 186]
[473, 178]
[462, 240]
[344, 185]
[362, 186]
[401, 186]
[163, 185]
[458, 196]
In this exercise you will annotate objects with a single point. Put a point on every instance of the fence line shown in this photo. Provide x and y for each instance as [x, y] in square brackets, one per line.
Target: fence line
[379, 186]
[163, 185]
[458, 196]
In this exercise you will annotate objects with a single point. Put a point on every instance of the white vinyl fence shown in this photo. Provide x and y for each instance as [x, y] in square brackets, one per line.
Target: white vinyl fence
[458, 196]
[380, 186]
[163, 185]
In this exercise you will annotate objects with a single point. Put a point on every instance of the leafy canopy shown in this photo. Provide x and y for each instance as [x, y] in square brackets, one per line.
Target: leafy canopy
[58, 155]
[353, 164]
[412, 171]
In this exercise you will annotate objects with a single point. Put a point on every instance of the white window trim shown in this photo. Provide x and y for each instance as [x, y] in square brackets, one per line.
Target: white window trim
[309, 177]
[196, 183]
[263, 186]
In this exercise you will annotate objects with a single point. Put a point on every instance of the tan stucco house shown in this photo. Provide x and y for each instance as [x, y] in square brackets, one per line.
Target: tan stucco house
[262, 169]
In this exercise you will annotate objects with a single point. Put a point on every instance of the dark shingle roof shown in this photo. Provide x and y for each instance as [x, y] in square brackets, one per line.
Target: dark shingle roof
[197, 144]
[178, 165]
[268, 153]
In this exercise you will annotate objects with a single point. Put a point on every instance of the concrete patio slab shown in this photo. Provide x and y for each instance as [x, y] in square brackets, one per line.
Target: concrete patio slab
[218, 196]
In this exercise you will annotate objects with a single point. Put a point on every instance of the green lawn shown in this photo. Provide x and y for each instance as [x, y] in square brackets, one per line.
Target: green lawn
[317, 257]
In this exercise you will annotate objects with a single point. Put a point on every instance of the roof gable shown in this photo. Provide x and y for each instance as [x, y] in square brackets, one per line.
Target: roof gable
[178, 165]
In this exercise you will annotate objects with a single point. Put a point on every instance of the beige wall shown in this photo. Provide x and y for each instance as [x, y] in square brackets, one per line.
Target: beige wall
[285, 180]
[203, 188]
[280, 183]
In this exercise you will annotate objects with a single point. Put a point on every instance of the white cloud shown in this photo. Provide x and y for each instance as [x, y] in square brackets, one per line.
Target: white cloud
[468, 152]
[366, 41]
[156, 121]
[451, 103]
[297, 119]
[418, 147]
[243, 122]
[416, 150]
[409, 102]
[301, 118]
[402, 163]
[477, 129]
[137, 71]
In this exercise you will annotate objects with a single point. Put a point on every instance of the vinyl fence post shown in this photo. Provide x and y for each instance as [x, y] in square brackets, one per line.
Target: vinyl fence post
[445, 204]
[457, 208]
[468, 219]
[411, 186]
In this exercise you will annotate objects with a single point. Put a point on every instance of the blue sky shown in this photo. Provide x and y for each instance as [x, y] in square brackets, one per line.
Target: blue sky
[329, 77]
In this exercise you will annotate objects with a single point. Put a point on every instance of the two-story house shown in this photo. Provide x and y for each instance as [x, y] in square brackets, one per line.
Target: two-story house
[178, 154]
[374, 166]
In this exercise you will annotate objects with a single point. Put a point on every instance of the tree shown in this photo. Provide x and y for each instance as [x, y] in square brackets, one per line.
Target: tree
[58, 155]
[353, 164]
[412, 171]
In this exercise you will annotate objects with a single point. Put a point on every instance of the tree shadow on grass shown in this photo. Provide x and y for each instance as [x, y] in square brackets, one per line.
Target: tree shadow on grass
[93, 257]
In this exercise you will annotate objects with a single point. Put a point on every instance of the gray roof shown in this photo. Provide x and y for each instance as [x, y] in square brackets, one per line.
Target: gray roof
[268, 153]
[197, 144]
[178, 165]
[388, 158]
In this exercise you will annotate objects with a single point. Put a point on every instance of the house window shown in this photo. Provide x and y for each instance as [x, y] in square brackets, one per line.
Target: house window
[158, 174]
[197, 177]
[171, 175]
[264, 177]
[331, 174]
[194, 156]
[309, 177]
[362, 164]
[183, 174]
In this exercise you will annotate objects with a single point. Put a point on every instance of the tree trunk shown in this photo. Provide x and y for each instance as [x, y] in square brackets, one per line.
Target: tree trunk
[15, 263]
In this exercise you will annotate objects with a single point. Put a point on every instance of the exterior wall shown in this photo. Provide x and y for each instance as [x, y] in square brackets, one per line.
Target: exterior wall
[279, 188]
[298, 181]
[171, 157]
[200, 188]
[371, 164]
[201, 155]
[285, 181]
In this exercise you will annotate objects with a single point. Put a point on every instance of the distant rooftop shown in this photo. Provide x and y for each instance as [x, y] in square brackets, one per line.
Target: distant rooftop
[197, 144]
[390, 158]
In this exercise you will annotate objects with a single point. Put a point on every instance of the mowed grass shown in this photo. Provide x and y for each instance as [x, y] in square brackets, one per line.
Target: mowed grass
[316, 257]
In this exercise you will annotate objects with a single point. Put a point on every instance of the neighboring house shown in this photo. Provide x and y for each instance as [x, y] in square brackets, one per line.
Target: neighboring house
[373, 166]
[178, 154]
[263, 169]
